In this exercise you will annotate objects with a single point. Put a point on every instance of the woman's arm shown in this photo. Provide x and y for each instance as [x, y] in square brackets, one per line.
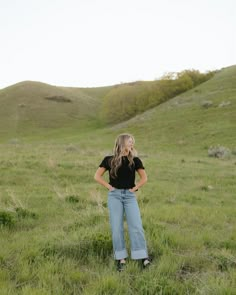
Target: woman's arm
[98, 177]
[142, 181]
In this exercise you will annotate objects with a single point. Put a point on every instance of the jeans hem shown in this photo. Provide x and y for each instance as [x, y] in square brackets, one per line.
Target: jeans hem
[120, 254]
[139, 254]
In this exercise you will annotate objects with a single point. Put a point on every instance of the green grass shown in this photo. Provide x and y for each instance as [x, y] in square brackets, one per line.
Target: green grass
[63, 244]
[56, 235]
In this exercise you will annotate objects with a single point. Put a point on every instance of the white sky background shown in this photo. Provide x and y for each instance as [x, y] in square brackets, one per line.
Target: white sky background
[93, 43]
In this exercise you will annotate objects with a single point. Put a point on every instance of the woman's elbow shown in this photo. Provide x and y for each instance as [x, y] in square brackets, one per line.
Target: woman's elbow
[95, 177]
[144, 179]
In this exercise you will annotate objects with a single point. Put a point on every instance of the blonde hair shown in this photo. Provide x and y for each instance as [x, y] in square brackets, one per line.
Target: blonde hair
[119, 150]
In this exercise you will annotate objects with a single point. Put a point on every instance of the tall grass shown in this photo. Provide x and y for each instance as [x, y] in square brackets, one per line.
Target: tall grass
[62, 243]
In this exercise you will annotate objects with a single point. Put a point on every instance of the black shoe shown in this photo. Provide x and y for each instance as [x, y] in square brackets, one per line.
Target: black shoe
[120, 265]
[146, 262]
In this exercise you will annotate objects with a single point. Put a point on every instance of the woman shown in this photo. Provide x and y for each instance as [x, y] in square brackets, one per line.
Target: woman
[121, 199]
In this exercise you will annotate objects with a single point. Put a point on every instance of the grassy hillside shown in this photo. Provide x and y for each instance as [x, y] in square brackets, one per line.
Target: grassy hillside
[97, 92]
[192, 121]
[188, 123]
[54, 222]
[34, 107]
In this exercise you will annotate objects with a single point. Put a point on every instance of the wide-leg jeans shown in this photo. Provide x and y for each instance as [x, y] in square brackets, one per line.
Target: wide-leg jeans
[123, 202]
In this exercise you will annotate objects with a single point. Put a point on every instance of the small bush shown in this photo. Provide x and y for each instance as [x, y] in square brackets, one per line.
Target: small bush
[6, 219]
[207, 104]
[206, 187]
[72, 199]
[219, 152]
[24, 213]
[59, 98]
[224, 104]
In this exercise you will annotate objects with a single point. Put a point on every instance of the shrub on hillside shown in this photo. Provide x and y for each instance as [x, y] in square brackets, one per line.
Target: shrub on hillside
[197, 77]
[59, 98]
[127, 100]
[224, 104]
[219, 152]
[207, 104]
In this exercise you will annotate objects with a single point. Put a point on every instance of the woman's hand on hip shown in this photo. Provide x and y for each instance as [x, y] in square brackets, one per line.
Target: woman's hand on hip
[132, 190]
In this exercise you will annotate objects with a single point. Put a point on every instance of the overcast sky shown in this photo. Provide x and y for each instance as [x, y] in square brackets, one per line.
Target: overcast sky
[85, 43]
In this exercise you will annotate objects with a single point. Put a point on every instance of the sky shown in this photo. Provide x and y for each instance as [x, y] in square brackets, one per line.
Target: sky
[91, 43]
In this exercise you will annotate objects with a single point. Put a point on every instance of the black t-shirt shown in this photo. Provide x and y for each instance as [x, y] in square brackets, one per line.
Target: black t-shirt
[125, 174]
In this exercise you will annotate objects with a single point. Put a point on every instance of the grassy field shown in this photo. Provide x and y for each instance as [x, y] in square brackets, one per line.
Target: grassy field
[55, 234]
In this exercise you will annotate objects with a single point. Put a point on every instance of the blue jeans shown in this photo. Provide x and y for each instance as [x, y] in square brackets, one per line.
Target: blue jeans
[122, 201]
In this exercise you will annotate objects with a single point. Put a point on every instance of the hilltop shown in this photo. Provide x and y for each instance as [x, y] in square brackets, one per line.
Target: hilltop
[28, 107]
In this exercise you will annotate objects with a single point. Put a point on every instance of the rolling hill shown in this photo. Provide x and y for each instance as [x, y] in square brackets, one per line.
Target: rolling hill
[28, 107]
[196, 119]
